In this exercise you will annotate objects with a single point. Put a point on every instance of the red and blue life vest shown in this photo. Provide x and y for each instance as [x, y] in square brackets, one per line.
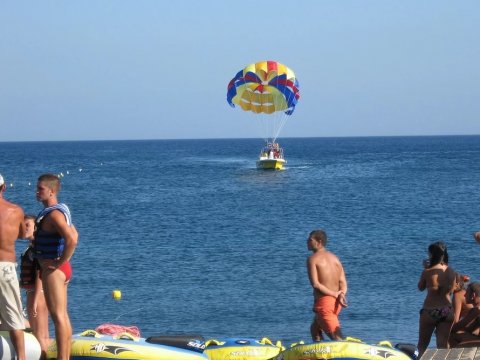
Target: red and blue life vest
[49, 245]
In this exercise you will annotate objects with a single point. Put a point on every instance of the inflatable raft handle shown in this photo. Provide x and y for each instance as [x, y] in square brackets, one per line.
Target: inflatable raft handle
[126, 336]
[91, 333]
[267, 341]
[385, 343]
[301, 342]
[213, 342]
[352, 339]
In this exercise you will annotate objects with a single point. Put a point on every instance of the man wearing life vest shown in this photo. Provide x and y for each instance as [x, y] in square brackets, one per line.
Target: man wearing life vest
[55, 242]
[11, 229]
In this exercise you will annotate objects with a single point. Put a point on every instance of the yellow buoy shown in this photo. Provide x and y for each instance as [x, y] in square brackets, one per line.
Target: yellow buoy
[117, 294]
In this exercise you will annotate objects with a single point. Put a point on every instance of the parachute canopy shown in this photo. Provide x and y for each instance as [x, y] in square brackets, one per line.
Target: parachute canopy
[264, 87]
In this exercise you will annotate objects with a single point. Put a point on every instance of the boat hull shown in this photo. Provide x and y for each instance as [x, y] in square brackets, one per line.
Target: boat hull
[271, 164]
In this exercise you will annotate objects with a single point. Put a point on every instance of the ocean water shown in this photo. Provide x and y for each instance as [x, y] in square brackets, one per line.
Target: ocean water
[198, 240]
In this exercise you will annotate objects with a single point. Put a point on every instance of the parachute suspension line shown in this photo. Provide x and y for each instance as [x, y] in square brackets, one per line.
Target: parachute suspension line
[265, 126]
[284, 117]
[282, 120]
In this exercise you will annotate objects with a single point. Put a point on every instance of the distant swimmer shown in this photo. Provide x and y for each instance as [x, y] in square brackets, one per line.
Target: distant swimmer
[327, 277]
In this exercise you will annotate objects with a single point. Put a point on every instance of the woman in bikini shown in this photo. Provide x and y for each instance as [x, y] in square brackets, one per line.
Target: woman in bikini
[437, 312]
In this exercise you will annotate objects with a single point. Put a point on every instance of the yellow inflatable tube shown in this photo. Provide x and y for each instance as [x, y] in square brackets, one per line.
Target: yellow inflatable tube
[92, 345]
[241, 349]
[351, 349]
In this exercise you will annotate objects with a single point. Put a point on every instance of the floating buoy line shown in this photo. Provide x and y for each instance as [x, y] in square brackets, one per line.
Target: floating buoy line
[61, 174]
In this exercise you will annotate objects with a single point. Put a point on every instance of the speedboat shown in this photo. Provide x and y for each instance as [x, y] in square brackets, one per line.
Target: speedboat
[271, 157]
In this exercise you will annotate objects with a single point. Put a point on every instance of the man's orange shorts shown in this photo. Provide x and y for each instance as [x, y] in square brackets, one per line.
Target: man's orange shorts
[327, 309]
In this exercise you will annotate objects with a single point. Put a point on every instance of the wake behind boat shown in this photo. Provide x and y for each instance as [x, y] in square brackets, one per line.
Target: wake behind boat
[271, 157]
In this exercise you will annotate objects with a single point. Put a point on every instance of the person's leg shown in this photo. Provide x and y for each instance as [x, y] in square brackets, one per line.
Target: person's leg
[55, 291]
[315, 331]
[30, 311]
[41, 331]
[11, 308]
[443, 333]
[69, 324]
[327, 317]
[459, 338]
[18, 341]
[426, 326]
[336, 334]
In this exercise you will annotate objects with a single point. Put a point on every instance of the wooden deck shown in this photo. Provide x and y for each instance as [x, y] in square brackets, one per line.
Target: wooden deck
[472, 353]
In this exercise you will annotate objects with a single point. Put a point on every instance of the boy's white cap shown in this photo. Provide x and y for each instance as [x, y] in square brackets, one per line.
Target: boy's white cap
[1, 180]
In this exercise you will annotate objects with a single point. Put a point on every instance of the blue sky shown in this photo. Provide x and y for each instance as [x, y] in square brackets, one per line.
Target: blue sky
[93, 70]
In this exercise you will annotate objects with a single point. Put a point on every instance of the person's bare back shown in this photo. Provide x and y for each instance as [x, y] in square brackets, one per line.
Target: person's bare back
[12, 227]
[329, 271]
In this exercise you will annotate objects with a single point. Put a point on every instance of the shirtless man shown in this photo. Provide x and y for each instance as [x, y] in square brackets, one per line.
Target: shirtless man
[467, 330]
[55, 242]
[12, 227]
[329, 284]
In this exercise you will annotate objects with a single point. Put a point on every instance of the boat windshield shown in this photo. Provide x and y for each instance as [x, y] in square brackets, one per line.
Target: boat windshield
[272, 151]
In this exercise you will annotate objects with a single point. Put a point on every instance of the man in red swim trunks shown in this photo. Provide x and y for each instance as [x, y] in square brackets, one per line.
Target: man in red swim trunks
[56, 271]
[329, 284]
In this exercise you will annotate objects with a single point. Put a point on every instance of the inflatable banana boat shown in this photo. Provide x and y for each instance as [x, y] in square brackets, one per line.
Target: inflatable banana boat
[349, 349]
[241, 348]
[93, 345]
[7, 351]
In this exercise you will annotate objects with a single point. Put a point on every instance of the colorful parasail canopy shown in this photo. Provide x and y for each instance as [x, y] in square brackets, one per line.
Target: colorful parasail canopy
[264, 87]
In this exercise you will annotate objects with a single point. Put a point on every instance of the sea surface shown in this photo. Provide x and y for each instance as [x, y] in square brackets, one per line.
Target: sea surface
[199, 241]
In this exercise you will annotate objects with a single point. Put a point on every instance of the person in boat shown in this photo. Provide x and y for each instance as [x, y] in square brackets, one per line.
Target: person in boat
[437, 311]
[12, 228]
[30, 281]
[327, 277]
[467, 330]
[54, 244]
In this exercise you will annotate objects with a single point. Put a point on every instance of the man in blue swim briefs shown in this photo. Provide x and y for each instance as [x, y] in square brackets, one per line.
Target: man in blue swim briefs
[55, 242]
[12, 227]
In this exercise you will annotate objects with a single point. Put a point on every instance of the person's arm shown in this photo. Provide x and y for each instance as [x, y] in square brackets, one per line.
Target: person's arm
[463, 323]
[316, 285]
[37, 292]
[343, 280]
[69, 234]
[342, 296]
[422, 283]
[21, 227]
[457, 305]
